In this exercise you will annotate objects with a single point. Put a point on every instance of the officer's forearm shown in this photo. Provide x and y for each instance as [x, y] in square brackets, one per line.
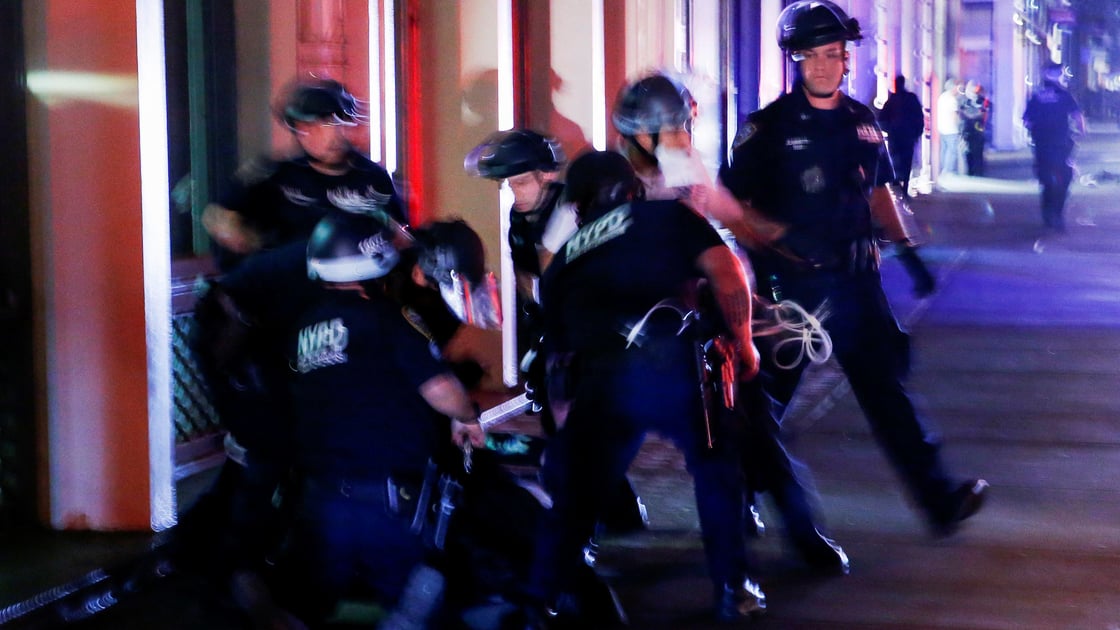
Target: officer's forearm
[447, 395]
[754, 229]
[228, 229]
[895, 219]
[732, 293]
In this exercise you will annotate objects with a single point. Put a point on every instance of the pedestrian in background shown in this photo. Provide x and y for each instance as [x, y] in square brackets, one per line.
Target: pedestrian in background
[974, 110]
[903, 121]
[949, 126]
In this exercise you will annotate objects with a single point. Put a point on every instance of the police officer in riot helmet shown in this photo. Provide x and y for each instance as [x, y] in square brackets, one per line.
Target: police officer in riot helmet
[530, 163]
[276, 201]
[599, 286]
[812, 174]
[372, 404]
[541, 220]
[654, 115]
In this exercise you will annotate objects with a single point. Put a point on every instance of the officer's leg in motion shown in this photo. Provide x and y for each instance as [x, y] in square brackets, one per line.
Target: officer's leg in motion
[769, 467]
[619, 397]
[583, 461]
[874, 354]
[1055, 176]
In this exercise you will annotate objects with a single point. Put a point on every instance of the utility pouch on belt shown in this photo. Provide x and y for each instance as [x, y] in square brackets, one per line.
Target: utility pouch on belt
[428, 505]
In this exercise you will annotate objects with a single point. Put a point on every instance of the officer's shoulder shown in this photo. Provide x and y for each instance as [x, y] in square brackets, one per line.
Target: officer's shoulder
[755, 122]
[861, 111]
[663, 207]
[361, 162]
[257, 170]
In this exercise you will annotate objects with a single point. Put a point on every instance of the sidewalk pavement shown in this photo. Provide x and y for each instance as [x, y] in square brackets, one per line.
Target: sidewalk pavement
[1015, 364]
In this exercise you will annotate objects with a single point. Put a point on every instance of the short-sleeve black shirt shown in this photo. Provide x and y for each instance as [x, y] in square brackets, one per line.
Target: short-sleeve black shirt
[286, 203]
[1047, 115]
[811, 169]
[617, 267]
[358, 366]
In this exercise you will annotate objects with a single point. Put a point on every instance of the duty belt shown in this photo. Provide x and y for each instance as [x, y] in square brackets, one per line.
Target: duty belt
[859, 255]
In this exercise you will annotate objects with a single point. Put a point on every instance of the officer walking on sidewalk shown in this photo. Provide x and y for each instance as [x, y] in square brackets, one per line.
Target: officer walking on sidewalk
[811, 172]
[1053, 117]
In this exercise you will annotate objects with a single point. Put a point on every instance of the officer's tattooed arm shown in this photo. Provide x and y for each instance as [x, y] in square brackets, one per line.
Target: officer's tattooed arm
[229, 229]
[733, 295]
[447, 395]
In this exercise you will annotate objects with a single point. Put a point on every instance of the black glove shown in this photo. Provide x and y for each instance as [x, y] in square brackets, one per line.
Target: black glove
[923, 280]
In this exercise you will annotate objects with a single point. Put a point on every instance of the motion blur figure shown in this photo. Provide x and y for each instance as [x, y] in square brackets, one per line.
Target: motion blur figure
[654, 116]
[277, 201]
[1055, 120]
[600, 287]
[372, 404]
[812, 173]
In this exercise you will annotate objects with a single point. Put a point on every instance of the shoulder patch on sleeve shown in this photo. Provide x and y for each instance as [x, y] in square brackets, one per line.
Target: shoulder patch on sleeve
[745, 132]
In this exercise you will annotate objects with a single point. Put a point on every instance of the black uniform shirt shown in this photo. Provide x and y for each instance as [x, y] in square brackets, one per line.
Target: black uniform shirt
[358, 367]
[812, 169]
[1047, 116]
[617, 267]
[286, 199]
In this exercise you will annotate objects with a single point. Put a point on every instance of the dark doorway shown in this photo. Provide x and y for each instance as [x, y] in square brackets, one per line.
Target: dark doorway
[17, 418]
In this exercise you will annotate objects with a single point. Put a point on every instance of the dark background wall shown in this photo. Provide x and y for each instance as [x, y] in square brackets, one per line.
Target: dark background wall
[17, 445]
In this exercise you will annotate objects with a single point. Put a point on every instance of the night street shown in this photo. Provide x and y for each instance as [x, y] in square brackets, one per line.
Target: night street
[1015, 364]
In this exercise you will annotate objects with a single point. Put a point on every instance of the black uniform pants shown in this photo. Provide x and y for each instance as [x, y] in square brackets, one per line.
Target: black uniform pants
[902, 159]
[619, 396]
[873, 352]
[349, 539]
[1054, 176]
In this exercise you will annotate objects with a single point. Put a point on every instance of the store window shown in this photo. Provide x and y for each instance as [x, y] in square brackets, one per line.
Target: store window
[201, 117]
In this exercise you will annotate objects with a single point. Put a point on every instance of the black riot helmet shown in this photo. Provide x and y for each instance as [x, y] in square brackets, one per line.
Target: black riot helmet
[443, 247]
[652, 103]
[810, 23]
[507, 153]
[348, 247]
[306, 101]
[599, 181]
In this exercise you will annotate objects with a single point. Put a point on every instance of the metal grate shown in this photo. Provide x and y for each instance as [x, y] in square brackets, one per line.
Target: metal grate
[193, 414]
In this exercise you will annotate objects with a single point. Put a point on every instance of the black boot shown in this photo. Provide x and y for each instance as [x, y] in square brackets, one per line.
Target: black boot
[740, 600]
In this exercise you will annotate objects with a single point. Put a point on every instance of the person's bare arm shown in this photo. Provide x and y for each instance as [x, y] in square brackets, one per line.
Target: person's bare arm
[229, 229]
[749, 226]
[733, 295]
[446, 395]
